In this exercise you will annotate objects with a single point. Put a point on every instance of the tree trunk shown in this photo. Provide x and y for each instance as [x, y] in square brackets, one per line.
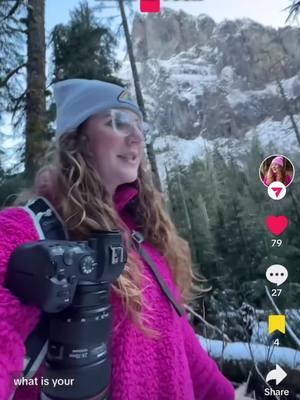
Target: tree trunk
[139, 96]
[36, 86]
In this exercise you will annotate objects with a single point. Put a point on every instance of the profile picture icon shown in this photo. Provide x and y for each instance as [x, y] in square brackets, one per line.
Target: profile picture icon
[276, 168]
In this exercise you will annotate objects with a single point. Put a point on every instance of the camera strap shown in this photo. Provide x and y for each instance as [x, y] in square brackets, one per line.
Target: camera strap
[47, 221]
[49, 226]
[138, 239]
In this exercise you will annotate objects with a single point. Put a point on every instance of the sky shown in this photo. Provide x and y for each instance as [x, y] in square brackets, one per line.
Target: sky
[267, 12]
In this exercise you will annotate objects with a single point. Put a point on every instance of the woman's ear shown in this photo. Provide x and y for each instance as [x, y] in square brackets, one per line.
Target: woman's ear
[45, 185]
[85, 142]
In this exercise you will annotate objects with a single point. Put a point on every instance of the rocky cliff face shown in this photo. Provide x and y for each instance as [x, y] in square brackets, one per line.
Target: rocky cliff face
[216, 81]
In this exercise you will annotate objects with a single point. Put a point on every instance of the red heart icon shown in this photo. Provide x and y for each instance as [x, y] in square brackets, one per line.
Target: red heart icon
[278, 224]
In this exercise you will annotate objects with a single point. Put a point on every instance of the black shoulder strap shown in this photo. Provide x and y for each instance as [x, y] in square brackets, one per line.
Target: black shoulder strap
[47, 221]
[139, 238]
[49, 226]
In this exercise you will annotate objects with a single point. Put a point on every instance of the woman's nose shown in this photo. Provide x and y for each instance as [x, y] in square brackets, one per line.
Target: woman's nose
[135, 135]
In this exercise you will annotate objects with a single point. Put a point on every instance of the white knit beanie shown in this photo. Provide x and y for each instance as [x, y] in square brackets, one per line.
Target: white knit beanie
[78, 99]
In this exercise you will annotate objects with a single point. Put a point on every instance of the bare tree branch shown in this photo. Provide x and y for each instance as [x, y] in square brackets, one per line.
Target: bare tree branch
[215, 328]
[293, 10]
[4, 81]
[12, 10]
[17, 102]
[10, 29]
[119, 29]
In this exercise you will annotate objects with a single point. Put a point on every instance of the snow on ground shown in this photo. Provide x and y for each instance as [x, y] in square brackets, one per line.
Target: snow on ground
[283, 356]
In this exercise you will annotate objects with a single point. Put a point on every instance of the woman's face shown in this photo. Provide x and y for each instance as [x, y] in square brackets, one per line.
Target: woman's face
[275, 168]
[117, 157]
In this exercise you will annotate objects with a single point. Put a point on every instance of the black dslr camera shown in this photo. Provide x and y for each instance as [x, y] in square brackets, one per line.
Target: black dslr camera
[70, 282]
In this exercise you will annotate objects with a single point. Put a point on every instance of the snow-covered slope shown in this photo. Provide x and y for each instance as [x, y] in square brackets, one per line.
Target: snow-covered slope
[274, 137]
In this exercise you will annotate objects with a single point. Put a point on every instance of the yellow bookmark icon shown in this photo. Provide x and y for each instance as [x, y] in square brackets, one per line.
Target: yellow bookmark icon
[276, 323]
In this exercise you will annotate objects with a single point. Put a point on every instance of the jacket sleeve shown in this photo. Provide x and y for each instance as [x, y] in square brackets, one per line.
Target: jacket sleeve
[17, 320]
[208, 381]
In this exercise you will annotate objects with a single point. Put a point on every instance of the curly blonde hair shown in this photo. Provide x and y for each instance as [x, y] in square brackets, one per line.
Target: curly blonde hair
[279, 177]
[85, 206]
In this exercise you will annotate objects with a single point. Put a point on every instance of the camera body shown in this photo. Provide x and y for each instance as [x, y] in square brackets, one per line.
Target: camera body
[55, 268]
[71, 283]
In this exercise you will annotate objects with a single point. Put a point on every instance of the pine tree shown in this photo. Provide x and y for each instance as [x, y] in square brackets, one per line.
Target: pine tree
[84, 48]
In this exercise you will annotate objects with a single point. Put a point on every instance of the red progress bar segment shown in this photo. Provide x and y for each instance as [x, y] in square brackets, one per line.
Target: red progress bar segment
[150, 5]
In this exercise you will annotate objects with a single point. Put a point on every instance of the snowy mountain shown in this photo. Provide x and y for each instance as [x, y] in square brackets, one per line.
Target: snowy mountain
[208, 84]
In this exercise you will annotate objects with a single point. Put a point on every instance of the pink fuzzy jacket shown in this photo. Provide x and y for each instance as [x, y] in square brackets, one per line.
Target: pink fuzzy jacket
[174, 368]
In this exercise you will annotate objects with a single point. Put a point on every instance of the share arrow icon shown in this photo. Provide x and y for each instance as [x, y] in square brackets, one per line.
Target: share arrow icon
[277, 374]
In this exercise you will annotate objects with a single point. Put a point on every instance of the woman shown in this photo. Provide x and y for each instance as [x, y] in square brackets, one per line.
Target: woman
[277, 172]
[102, 183]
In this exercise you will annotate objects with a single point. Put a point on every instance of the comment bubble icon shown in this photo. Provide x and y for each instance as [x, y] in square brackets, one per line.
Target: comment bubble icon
[277, 274]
